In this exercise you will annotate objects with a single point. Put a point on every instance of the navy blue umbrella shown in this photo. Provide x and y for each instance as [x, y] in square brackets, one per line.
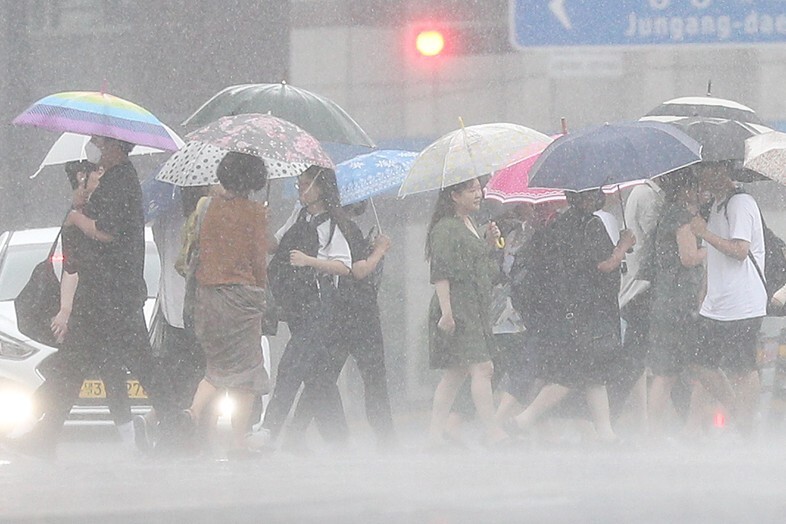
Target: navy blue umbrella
[613, 154]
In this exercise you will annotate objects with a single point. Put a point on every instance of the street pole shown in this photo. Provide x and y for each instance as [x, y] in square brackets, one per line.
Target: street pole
[14, 88]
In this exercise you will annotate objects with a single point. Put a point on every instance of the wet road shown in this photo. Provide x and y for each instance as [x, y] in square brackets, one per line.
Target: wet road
[98, 481]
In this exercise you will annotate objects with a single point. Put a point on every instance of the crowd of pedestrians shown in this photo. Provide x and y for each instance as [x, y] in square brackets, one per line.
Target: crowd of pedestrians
[546, 300]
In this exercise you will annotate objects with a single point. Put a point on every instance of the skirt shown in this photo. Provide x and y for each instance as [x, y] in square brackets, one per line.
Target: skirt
[228, 325]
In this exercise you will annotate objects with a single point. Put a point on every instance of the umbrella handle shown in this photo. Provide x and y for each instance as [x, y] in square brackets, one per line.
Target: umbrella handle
[376, 216]
[622, 207]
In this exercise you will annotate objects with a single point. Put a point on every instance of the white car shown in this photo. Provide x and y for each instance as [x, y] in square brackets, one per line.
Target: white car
[21, 358]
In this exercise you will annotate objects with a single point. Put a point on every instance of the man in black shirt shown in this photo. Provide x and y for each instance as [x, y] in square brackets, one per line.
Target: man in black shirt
[107, 329]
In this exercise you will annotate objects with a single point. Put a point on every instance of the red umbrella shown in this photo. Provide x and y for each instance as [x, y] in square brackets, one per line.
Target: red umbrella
[510, 184]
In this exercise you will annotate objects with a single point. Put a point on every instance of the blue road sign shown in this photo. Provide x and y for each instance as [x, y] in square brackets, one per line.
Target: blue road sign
[569, 23]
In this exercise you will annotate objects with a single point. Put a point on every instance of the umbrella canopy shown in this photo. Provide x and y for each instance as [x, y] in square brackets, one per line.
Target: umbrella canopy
[320, 116]
[286, 149]
[92, 113]
[613, 154]
[369, 175]
[766, 155]
[720, 139]
[467, 153]
[71, 146]
[511, 183]
[707, 106]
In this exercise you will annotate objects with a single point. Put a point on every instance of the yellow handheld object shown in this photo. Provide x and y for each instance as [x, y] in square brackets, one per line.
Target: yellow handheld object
[501, 242]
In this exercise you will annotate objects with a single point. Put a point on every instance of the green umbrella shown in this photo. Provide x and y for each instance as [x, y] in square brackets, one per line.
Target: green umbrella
[319, 116]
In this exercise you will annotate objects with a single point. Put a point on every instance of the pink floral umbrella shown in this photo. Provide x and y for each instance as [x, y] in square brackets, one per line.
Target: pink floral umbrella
[270, 138]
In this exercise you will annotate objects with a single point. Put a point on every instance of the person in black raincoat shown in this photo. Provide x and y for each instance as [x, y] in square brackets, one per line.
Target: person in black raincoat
[579, 329]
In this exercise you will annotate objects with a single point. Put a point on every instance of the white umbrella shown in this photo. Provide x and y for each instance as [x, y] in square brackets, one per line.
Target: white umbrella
[766, 155]
[467, 153]
[71, 146]
[706, 106]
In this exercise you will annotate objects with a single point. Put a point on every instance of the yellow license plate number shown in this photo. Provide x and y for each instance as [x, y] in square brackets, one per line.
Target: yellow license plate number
[96, 389]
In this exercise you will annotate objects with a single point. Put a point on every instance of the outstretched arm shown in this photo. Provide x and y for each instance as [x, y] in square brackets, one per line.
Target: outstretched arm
[87, 226]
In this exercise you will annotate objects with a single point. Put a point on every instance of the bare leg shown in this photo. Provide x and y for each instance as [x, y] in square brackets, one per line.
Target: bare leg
[508, 407]
[549, 396]
[204, 396]
[700, 401]
[748, 389]
[453, 426]
[444, 396]
[598, 402]
[244, 402]
[716, 383]
[638, 405]
[659, 399]
[483, 398]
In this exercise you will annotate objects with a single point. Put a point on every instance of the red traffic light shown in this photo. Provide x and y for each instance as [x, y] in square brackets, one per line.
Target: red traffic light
[430, 42]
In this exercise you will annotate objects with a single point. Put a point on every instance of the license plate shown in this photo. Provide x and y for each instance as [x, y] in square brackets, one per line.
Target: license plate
[96, 389]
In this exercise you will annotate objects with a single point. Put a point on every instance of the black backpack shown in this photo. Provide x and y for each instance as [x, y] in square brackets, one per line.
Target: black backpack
[297, 289]
[774, 275]
[525, 278]
[537, 290]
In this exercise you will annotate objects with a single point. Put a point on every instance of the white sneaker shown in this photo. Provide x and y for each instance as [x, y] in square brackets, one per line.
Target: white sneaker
[258, 439]
[126, 432]
[22, 429]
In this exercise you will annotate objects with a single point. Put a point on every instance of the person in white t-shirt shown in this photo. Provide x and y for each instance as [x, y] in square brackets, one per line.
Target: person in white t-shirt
[736, 300]
[312, 253]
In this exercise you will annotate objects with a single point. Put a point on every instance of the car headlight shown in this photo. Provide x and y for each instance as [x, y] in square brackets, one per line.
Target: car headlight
[15, 407]
[15, 349]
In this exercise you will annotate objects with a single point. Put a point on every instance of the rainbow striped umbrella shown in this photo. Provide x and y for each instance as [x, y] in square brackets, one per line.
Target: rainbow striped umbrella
[93, 113]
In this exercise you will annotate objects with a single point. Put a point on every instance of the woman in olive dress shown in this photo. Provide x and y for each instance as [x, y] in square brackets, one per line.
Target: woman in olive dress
[460, 337]
[677, 276]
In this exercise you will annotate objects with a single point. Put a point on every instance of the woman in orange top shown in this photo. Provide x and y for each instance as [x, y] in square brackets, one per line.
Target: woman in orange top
[230, 297]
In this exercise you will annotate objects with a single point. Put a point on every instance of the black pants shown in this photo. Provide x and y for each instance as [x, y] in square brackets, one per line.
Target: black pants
[307, 361]
[361, 337]
[69, 365]
[111, 341]
[629, 368]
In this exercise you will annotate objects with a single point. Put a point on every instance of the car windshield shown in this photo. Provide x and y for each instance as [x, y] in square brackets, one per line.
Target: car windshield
[20, 261]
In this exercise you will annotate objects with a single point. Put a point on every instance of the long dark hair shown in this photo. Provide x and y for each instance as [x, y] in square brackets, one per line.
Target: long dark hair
[444, 208]
[325, 179]
[674, 183]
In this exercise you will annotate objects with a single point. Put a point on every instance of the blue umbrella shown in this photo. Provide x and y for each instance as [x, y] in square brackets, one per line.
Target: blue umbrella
[158, 196]
[613, 154]
[371, 174]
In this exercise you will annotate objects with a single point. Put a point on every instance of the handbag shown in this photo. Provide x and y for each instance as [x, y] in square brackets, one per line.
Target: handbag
[39, 301]
[191, 250]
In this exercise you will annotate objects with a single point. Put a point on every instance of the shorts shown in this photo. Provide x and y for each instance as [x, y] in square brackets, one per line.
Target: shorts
[730, 345]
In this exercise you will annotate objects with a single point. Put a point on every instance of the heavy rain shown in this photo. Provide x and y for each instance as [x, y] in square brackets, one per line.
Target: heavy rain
[436, 261]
